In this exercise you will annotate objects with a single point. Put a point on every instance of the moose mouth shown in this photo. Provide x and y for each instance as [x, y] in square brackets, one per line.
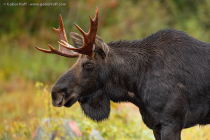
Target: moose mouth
[70, 102]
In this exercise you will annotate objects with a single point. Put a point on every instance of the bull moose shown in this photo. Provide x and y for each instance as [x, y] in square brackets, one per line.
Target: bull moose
[166, 75]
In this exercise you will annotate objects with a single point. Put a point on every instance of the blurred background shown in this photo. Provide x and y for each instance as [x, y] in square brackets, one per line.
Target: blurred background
[27, 75]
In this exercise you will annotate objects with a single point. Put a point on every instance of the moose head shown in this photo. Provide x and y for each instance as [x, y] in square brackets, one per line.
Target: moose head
[88, 79]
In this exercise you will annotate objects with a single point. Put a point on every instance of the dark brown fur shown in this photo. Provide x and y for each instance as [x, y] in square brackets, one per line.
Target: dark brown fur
[167, 74]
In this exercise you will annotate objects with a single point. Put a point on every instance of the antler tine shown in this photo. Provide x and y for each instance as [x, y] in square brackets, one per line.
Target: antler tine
[43, 50]
[89, 38]
[61, 36]
[81, 31]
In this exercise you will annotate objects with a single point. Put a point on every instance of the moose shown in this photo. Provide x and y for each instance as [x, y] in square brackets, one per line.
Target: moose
[166, 75]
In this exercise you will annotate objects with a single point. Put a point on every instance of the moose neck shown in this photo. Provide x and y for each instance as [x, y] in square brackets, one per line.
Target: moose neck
[127, 60]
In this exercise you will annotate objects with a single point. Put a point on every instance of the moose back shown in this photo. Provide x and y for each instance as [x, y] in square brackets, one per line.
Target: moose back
[167, 75]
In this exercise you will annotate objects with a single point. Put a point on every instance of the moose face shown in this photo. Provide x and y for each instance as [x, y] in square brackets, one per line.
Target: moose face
[84, 82]
[84, 78]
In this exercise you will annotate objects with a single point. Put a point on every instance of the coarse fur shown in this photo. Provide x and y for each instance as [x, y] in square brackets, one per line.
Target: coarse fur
[167, 75]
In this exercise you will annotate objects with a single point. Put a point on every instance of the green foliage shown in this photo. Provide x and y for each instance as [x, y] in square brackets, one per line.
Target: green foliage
[117, 19]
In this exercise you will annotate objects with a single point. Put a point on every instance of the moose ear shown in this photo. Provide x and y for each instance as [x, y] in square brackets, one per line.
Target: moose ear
[77, 39]
[101, 47]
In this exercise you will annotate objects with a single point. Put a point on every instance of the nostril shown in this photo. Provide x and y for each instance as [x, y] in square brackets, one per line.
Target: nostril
[63, 93]
[59, 101]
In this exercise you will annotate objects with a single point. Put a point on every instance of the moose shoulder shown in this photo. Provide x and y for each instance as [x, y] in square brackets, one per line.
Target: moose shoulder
[167, 75]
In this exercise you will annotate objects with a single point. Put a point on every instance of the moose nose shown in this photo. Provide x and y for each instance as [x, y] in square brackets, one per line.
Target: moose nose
[57, 99]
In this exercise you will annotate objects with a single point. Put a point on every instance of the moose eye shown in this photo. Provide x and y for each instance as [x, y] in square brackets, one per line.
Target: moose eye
[88, 65]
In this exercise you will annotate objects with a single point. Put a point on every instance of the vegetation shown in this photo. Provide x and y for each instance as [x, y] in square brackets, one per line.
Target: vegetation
[25, 101]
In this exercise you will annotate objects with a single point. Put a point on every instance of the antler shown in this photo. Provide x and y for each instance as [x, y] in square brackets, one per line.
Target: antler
[89, 38]
[62, 50]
